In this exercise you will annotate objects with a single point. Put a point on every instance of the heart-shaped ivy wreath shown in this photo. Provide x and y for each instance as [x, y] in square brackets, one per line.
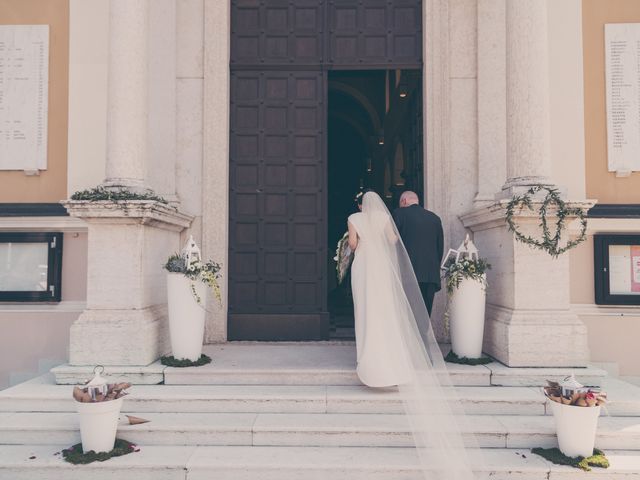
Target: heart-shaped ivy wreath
[549, 243]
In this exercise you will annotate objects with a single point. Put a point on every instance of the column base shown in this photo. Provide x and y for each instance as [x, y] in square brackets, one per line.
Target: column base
[529, 321]
[119, 337]
[538, 338]
[125, 322]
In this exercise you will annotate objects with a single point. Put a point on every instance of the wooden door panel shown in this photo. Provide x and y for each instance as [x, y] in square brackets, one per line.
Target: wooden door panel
[277, 32]
[374, 33]
[277, 217]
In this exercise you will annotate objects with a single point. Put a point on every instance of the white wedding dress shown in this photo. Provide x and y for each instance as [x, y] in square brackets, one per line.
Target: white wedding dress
[396, 346]
[380, 352]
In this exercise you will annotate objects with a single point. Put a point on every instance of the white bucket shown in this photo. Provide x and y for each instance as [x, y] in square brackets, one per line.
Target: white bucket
[576, 428]
[466, 314]
[186, 316]
[98, 424]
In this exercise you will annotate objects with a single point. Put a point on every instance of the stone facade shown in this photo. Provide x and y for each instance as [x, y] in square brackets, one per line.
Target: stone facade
[480, 144]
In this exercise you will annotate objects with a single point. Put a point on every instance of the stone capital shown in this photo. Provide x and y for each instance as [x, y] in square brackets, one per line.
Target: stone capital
[143, 212]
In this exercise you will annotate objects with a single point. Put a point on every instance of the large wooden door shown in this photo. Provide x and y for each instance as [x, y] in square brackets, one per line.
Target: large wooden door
[280, 53]
[277, 246]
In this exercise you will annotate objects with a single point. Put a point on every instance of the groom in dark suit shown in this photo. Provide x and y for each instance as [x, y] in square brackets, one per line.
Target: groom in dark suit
[421, 233]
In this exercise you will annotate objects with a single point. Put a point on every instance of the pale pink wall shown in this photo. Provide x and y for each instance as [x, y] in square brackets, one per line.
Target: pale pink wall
[74, 267]
[615, 339]
[28, 338]
[613, 331]
[34, 335]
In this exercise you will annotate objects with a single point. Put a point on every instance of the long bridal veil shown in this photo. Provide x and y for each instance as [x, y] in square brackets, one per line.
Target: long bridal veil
[435, 416]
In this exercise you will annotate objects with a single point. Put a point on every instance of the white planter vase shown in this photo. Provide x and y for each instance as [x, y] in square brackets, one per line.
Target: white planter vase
[98, 424]
[466, 318]
[186, 316]
[576, 428]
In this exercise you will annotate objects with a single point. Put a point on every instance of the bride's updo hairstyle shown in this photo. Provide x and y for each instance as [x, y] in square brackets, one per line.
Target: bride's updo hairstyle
[360, 196]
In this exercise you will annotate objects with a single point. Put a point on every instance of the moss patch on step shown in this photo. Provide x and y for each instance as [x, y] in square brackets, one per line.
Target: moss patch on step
[171, 361]
[453, 358]
[76, 456]
[554, 455]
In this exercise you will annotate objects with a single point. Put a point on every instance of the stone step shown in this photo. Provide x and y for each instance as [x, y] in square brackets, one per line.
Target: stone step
[273, 398]
[290, 463]
[43, 396]
[334, 364]
[303, 429]
[309, 363]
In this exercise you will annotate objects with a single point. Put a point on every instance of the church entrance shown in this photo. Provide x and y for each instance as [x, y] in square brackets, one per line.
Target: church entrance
[374, 142]
[313, 121]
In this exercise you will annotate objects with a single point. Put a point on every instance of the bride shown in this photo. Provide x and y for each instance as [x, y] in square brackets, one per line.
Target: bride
[395, 342]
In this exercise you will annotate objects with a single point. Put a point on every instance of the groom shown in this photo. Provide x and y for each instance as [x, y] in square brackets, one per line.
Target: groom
[421, 232]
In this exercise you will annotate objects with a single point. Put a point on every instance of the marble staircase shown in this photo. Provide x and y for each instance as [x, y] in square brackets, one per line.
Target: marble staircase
[290, 411]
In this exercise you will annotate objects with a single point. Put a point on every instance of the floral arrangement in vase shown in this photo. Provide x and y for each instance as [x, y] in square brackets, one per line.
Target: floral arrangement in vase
[455, 270]
[189, 263]
[464, 263]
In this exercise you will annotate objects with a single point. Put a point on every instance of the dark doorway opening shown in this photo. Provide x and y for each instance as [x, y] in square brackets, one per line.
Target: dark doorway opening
[374, 142]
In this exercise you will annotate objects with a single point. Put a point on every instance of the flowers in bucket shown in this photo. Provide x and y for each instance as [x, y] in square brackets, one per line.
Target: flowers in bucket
[98, 390]
[189, 263]
[98, 404]
[576, 410]
[343, 257]
[100, 393]
[578, 397]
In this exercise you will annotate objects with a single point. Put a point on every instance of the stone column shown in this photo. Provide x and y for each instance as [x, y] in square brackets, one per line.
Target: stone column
[124, 325]
[529, 318]
[215, 172]
[528, 153]
[128, 94]
[492, 110]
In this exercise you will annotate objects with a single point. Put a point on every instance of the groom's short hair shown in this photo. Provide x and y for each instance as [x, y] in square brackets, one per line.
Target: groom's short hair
[409, 197]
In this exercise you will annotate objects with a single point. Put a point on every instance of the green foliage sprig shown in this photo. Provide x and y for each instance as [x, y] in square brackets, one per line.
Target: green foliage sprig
[115, 195]
[455, 272]
[549, 243]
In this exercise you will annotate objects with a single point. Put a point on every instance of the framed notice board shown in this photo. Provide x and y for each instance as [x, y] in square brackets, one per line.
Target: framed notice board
[617, 269]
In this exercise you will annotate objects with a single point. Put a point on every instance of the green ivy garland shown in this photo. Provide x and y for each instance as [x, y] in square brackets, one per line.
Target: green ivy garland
[115, 195]
[549, 243]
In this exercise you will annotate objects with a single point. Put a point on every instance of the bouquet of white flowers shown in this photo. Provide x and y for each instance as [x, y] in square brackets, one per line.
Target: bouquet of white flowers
[343, 257]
